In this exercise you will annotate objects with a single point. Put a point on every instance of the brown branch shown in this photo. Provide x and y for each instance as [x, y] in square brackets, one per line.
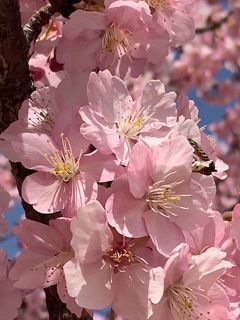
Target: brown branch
[214, 25]
[33, 27]
[15, 86]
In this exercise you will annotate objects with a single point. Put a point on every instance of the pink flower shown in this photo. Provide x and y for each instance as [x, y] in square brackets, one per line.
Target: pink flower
[114, 122]
[117, 39]
[58, 182]
[120, 274]
[192, 290]
[37, 114]
[43, 113]
[43, 110]
[175, 17]
[10, 298]
[66, 179]
[162, 198]
[187, 108]
[46, 248]
[214, 234]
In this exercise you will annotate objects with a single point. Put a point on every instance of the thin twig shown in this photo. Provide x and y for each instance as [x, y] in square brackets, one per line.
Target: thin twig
[214, 25]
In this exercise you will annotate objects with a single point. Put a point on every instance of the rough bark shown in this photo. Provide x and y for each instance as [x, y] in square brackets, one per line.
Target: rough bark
[15, 86]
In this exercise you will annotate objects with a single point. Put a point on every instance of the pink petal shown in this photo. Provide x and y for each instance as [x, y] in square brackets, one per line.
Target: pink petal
[139, 284]
[81, 20]
[235, 224]
[124, 213]
[28, 271]
[102, 167]
[45, 192]
[65, 298]
[32, 149]
[174, 155]
[108, 95]
[97, 131]
[162, 103]
[40, 238]
[209, 266]
[138, 172]
[78, 97]
[159, 229]
[90, 239]
[81, 283]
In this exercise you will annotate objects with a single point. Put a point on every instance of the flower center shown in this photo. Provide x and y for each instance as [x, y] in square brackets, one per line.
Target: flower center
[120, 258]
[156, 4]
[115, 41]
[184, 303]
[162, 198]
[64, 163]
[131, 126]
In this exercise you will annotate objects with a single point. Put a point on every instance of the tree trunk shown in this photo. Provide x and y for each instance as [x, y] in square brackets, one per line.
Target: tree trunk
[15, 86]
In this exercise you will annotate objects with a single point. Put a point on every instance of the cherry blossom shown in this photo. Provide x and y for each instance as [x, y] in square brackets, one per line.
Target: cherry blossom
[175, 17]
[113, 264]
[114, 122]
[191, 288]
[109, 143]
[46, 250]
[161, 195]
[105, 40]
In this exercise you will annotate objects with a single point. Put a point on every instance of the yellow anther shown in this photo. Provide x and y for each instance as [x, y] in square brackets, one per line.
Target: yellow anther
[137, 123]
[114, 38]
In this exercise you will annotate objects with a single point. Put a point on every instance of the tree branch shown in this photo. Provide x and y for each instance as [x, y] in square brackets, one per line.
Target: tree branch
[33, 27]
[15, 86]
[214, 25]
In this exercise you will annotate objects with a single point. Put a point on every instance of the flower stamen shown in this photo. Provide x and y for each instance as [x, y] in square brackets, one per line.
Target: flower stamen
[131, 126]
[156, 4]
[64, 163]
[183, 302]
[163, 198]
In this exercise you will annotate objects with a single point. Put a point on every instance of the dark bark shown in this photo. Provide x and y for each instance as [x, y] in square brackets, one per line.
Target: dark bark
[15, 86]
[33, 27]
[15, 80]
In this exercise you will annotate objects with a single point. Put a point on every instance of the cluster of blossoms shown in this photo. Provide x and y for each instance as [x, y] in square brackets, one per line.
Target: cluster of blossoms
[228, 191]
[215, 48]
[135, 191]
[128, 168]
